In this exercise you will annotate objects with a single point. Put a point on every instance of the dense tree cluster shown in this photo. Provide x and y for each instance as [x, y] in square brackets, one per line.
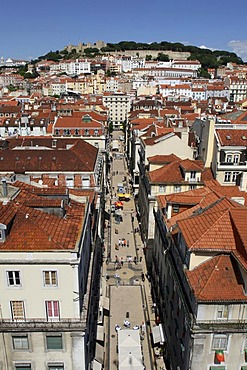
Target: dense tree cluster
[208, 58]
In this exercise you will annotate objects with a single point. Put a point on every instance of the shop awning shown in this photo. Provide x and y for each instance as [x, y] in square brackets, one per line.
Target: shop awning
[156, 334]
[105, 303]
[99, 353]
[100, 333]
[96, 365]
[121, 195]
[217, 368]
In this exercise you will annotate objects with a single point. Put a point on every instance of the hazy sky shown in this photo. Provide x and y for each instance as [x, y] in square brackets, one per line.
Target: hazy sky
[32, 28]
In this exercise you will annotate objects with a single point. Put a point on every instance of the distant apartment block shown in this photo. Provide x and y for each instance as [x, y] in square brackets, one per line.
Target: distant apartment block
[119, 106]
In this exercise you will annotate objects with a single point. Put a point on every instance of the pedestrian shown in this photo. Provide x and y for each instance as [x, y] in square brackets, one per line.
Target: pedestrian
[128, 243]
[140, 258]
[135, 260]
[122, 262]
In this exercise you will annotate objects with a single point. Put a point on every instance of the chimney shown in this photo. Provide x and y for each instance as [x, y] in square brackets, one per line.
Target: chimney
[5, 189]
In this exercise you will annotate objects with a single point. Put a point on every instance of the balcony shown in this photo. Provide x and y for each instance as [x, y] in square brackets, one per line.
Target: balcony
[29, 325]
[240, 166]
[217, 325]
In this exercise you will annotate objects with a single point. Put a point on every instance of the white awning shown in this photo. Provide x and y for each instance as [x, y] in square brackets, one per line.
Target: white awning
[99, 353]
[161, 334]
[156, 334]
[100, 332]
[105, 303]
[96, 365]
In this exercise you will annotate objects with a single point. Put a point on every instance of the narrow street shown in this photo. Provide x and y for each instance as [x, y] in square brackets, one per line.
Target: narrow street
[125, 277]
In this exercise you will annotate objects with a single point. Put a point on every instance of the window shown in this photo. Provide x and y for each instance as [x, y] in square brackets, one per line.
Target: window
[222, 312]
[20, 342]
[220, 341]
[227, 177]
[177, 188]
[17, 310]
[175, 208]
[54, 342]
[228, 158]
[245, 346]
[236, 158]
[50, 278]
[192, 175]
[85, 181]
[14, 278]
[162, 189]
[52, 310]
[22, 366]
[56, 367]
[234, 176]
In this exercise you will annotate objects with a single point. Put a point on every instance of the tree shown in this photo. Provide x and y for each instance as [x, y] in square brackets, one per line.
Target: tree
[148, 57]
[110, 127]
[91, 51]
[163, 57]
[203, 73]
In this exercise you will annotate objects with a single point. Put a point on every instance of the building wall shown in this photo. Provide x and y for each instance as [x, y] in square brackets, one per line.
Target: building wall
[172, 145]
[71, 356]
[32, 280]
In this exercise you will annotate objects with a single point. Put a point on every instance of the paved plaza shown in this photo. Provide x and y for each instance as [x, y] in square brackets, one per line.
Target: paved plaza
[124, 276]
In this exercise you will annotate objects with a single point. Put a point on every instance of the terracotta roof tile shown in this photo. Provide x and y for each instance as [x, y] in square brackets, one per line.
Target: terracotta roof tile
[210, 230]
[232, 137]
[33, 230]
[217, 280]
[162, 159]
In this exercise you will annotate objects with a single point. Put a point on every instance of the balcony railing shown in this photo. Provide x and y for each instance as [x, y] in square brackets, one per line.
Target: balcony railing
[216, 325]
[36, 324]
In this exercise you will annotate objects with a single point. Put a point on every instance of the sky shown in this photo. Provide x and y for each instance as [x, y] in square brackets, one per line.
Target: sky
[33, 28]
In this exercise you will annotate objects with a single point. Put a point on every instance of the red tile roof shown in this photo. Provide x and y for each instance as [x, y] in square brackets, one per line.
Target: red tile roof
[217, 280]
[162, 159]
[33, 230]
[81, 157]
[232, 137]
[172, 172]
[211, 229]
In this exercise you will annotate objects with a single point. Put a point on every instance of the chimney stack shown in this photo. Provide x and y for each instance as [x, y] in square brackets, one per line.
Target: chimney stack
[5, 189]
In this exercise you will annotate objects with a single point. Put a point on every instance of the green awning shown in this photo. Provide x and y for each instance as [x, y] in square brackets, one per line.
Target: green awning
[217, 368]
[244, 367]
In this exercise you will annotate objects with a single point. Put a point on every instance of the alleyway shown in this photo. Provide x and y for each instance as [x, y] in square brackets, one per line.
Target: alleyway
[124, 273]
